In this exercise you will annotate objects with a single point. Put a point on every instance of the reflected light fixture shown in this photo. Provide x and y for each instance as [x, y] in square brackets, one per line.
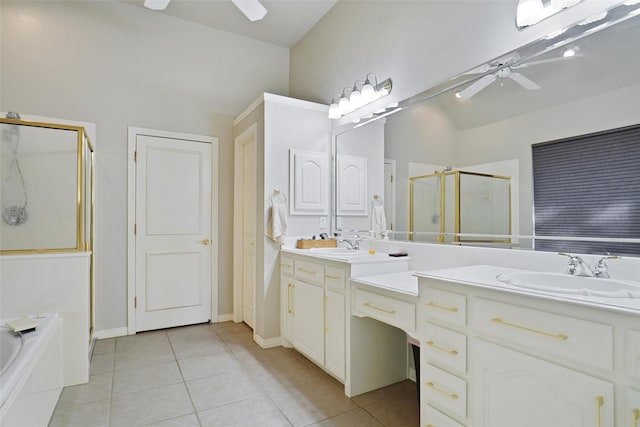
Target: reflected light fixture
[369, 91]
[531, 12]
[156, 4]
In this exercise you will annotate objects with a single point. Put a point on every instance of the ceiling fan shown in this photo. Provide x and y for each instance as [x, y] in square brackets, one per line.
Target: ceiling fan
[253, 9]
[504, 68]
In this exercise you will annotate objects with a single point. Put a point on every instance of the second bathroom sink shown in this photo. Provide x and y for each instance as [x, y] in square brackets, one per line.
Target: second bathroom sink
[567, 284]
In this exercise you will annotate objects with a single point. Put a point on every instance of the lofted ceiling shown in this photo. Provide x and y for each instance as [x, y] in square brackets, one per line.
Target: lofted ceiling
[284, 25]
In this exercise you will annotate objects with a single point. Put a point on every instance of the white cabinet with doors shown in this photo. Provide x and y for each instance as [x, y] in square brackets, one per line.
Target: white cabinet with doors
[496, 357]
[314, 319]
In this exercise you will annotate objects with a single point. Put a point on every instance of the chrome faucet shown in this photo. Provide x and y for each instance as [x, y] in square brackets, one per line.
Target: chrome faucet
[577, 266]
[602, 269]
[352, 243]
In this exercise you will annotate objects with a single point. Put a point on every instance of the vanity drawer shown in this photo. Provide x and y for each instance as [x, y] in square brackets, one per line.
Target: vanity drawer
[446, 306]
[445, 348]
[309, 271]
[334, 277]
[575, 340]
[633, 353]
[286, 264]
[435, 418]
[445, 391]
[389, 310]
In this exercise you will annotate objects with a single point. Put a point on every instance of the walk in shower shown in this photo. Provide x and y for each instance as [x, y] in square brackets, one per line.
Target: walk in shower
[455, 206]
[46, 187]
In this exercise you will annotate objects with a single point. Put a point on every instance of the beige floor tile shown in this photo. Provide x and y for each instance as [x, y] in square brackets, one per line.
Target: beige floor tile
[95, 414]
[190, 420]
[146, 377]
[225, 329]
[354, 418]
[259, 411]
[142, 341]
[97, 389]
[195, 347]
[222, 389]
[141, 357]
[150, 406]
[210, 364]
[102, 363]
[104, 346]
[312, 402]
[395, 405]
[190, 332]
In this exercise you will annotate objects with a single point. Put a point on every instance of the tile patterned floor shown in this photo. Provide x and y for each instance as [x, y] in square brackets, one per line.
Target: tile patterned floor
[216, 375]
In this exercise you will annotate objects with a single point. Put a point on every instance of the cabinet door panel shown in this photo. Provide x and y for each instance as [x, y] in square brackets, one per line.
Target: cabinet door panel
[334, 334]
[308, 325]
[514, 389]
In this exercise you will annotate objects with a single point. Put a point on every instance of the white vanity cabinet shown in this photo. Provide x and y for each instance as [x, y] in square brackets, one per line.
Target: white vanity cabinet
[314, 316]
[499, 358]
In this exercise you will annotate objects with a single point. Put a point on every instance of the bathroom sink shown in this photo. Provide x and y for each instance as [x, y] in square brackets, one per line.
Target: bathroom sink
[576, 285]
[338, 252]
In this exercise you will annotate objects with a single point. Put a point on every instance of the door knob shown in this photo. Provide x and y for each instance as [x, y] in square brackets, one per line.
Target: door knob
[204, 242]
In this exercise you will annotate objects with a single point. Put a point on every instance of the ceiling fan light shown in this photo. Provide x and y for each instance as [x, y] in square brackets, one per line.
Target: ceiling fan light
[253, 9]
[156, 4]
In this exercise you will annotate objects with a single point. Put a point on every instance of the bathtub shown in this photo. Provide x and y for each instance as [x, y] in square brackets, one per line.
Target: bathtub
[31, 373]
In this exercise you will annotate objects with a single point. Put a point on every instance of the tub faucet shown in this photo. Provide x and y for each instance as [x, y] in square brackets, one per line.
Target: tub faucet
[602, 270]
[577, 266]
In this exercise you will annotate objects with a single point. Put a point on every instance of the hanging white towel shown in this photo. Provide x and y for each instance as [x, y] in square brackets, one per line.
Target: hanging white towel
[277, 224]
[378, 219]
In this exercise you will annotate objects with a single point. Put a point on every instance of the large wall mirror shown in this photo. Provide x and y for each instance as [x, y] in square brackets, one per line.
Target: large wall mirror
[585, 79]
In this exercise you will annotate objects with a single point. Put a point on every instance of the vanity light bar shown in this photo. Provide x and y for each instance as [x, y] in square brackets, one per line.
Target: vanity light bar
[368, 92]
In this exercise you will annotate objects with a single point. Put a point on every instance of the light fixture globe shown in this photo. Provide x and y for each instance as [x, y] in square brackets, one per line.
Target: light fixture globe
[334, 111]
[343, 104]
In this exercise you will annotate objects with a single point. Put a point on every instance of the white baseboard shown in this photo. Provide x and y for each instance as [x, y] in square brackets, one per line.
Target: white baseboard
[267, 343]
[224, 318]
[110, 333]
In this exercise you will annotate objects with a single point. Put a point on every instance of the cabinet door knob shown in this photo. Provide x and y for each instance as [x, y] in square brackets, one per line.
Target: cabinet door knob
[204, 242]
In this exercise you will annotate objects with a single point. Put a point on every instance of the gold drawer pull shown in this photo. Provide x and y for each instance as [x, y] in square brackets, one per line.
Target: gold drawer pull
[306, 271]
[599, 404]
[452, 396]
[330, 277]
[384, 310]
[442, 307]
[561, 337]
[289, 309]
[636, 417]
[439, 347]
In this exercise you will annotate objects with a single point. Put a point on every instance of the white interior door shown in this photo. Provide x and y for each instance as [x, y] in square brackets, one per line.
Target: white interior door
[173, 232]
[249, 232]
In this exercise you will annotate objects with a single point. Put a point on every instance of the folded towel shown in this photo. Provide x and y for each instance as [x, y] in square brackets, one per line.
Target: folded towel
[277, 223]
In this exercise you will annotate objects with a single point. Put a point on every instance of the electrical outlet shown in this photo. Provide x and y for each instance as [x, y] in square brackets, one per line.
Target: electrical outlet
[323, 222]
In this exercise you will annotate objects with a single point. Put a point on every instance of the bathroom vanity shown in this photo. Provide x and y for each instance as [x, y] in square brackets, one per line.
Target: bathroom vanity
[496, 354]
[316, 301]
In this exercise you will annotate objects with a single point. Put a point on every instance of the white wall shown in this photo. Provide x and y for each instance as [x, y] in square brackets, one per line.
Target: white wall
[282, 124]
[119, 65]
[417, 43]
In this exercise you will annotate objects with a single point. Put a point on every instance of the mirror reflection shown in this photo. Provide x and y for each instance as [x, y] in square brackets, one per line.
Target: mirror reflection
[485, 121]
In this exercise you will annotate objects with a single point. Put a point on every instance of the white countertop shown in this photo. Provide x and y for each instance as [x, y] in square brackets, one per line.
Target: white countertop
[405, 282]
[484, 276]
[358, 257]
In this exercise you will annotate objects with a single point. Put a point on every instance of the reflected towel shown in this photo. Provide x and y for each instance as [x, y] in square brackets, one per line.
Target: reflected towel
[277, 224]
[378, 220]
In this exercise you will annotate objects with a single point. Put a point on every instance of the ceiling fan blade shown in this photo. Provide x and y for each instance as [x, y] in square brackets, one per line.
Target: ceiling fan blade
[523, 81]
[547, 61]
[253, 9]
[476, 86]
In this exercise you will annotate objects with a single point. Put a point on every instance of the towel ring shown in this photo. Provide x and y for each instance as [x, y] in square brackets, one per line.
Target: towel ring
[277, 193]
[377, 200]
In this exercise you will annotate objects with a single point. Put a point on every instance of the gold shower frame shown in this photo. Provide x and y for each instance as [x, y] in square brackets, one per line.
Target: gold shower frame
[84, 237]
[443, 232]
